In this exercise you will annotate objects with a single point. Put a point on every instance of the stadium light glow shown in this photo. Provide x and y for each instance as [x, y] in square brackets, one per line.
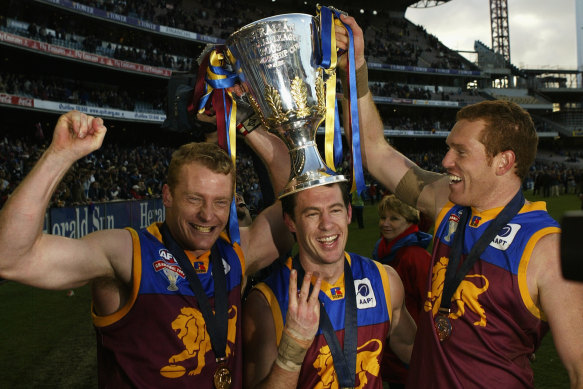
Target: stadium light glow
[374, 12]
[361, 11]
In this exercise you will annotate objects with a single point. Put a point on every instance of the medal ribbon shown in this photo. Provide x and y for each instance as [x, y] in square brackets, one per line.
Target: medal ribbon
[344, 359]
[453, 275]
[216, 324]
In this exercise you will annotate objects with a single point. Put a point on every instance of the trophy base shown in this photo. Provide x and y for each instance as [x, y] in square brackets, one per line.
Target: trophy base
[298, 184]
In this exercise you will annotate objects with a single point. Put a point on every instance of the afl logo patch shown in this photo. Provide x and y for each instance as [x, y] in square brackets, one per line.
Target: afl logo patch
[505, 237]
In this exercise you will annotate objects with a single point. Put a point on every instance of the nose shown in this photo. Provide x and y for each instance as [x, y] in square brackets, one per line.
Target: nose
[447, 160]
[205, 211]
[325, 221]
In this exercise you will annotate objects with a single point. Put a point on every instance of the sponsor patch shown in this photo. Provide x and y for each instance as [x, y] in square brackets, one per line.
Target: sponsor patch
[365, 297]
[336, 293]
[504, 239]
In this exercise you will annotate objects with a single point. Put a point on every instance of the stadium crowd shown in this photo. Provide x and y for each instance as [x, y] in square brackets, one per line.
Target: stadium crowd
[394, 41]
[120, 172]
[115, 172]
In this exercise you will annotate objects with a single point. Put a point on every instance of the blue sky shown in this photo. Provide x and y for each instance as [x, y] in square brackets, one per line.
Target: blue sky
[542, 32]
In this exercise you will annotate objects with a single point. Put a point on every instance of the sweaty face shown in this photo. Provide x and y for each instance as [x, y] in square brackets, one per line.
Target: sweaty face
[392, 224]
[198, 208]
[321, 224]
[472, 177]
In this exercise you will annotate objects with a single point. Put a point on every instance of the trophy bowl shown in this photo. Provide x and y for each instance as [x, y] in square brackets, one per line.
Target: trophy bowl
[276, 59]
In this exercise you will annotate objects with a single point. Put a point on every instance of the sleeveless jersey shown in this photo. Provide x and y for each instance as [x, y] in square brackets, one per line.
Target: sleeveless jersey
[374, 312]
[496, 325]
[159, 338]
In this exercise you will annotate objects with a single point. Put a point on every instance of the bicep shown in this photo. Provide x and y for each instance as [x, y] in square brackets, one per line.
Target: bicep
[259, 339]
[63, 263]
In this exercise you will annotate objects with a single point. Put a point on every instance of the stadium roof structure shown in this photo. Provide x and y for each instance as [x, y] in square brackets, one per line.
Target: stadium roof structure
[387, 6]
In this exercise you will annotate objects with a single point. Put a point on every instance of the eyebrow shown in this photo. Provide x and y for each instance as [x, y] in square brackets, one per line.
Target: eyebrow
[311, 208]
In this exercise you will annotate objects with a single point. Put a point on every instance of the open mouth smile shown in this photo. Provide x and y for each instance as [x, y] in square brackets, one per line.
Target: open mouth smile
[204, 229]
[327, 240]
[454, 179]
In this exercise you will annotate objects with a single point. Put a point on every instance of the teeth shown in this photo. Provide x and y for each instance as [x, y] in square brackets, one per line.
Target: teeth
[453, 179]
[328, 239]
[202, 228]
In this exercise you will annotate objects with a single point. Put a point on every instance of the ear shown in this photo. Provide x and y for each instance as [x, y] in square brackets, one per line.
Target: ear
[291, 225]
[505, 162]
[166, 196]
[349, 212]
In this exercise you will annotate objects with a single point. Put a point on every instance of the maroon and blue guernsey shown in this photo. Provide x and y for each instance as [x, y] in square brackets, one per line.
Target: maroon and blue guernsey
[159, 338]
[373, 304]
[496, 324]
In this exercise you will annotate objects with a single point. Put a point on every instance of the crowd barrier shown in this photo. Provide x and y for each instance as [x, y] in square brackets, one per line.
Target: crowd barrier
[75, 222]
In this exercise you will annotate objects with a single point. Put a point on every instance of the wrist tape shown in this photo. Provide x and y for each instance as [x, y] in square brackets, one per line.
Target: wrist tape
[361, 81]
[249, 124]
[291, 351]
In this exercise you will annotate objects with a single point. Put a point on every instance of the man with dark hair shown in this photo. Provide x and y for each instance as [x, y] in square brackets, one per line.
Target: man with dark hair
[167, 298]
[496, 284]
[290, 339]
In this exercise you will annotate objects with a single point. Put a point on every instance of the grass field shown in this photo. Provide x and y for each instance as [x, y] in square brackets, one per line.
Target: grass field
[47, 339]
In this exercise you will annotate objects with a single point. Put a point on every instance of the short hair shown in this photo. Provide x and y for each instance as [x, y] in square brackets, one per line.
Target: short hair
[392, 203]
[288, 203]
[210, 155]
[507, 127]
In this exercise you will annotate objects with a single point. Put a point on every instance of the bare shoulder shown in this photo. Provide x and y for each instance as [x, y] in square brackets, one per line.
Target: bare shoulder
[116, 247]
[396, 285]
[256, 309]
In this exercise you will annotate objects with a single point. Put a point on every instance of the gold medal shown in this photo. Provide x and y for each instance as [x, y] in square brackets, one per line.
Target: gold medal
[222, 377]
[442, 327]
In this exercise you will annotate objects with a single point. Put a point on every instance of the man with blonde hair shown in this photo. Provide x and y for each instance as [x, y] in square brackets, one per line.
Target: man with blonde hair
[167, 298]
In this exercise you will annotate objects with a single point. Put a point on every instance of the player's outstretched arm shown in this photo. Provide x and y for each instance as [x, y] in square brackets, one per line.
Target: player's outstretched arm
[47, 261]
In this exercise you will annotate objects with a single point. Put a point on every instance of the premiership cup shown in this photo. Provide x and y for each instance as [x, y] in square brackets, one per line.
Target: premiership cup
[276, 59]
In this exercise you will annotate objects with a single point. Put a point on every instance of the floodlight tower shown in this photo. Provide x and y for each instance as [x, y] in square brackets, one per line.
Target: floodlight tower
[499, 28]
[579, 25]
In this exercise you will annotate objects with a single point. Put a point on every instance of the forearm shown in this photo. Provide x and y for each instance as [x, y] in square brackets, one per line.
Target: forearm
[285, 370]
[274, 155]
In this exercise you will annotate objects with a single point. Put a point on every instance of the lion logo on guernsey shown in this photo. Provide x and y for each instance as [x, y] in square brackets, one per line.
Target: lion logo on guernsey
[367, 362]
[192, 331]
[466, 295]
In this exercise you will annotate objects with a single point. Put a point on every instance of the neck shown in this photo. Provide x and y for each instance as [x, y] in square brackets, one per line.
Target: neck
[498, 198]
[330, 272]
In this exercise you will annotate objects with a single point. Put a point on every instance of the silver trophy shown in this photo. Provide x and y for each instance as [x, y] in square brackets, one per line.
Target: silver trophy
[276, 60]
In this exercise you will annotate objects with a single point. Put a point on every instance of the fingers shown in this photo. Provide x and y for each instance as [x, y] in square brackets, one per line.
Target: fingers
[293, 288]
[81, 125]
[316, 291]
[305, 290]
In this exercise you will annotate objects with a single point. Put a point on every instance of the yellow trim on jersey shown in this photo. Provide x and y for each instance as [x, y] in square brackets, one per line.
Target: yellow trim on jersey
[524, 261]
[490, 214]
[102, 321]
[275, 309]
[386, 288]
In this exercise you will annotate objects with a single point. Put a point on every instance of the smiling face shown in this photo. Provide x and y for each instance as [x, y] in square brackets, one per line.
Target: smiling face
[392, 224]
[320, 223]
[472, 173]
[197, 209]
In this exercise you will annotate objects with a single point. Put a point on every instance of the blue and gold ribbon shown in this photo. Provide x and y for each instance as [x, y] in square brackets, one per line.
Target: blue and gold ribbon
[328, 62]
[217, 80]
[357, 172]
